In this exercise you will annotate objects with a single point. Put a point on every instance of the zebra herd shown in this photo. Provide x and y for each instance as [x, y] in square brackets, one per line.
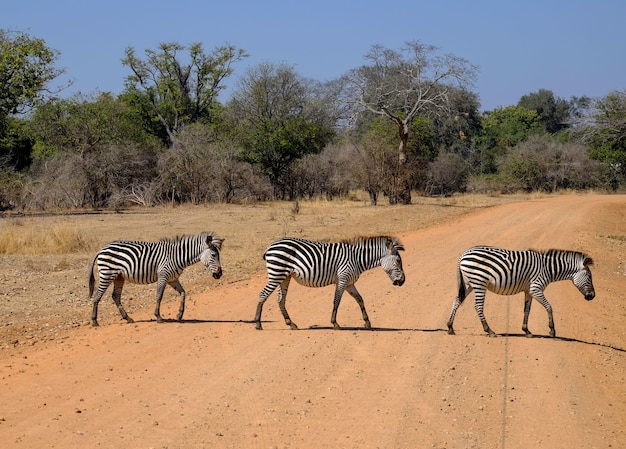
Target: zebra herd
[319, 264]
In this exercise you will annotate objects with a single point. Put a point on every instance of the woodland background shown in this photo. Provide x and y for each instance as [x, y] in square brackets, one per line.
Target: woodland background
[406, 123]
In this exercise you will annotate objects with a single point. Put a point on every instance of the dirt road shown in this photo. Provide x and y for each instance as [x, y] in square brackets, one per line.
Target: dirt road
[216, 382]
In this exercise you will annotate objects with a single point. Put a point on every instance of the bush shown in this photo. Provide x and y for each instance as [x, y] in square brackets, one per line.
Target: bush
[542, 163]
[447, 174]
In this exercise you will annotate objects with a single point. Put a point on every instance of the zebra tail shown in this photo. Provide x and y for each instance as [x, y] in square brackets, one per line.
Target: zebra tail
[92, 278]
[461, 283]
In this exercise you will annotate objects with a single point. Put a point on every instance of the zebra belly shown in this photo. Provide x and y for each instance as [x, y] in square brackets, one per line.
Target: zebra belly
[504, 289]
[308, 282]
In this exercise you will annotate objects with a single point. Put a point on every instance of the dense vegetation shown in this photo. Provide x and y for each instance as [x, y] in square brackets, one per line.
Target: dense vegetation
[405, 122]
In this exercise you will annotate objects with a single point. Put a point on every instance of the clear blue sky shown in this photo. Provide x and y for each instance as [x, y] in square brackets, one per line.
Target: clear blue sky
[571, 47]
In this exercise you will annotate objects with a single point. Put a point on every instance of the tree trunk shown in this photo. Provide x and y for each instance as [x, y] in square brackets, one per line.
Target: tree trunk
[404, 184]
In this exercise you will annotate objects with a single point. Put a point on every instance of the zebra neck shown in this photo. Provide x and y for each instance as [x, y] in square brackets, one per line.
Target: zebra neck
[559, 270]
[367, 259]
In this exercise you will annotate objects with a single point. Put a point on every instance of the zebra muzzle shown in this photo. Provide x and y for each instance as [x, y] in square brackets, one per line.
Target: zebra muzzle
[217, 274]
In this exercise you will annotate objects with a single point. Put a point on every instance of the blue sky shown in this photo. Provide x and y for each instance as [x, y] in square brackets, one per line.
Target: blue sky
[573, 48]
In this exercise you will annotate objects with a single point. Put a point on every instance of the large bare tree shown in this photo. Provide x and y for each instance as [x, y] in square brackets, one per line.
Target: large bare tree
[400, 85]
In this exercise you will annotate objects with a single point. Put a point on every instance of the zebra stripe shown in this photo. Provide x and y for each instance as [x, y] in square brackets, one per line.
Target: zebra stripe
[319, 264]
[149, 262]
[507, 272]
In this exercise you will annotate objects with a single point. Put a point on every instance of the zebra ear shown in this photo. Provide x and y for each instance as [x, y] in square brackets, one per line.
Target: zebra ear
[394, 245]
[215, 241]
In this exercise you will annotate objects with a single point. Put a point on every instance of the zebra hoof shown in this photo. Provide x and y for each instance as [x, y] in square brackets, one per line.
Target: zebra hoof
[368, 325]
[451, 332]
[94, 324]
[529, 335]
[293, 326]
[258, 326]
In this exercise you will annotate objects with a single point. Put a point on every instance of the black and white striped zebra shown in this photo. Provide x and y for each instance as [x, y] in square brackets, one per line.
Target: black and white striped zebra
[507, 272]
[148, 262]
[318, 264]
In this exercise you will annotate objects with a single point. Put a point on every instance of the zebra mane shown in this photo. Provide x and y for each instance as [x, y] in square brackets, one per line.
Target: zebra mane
[359, 240]
[587, 260]
[215, 240]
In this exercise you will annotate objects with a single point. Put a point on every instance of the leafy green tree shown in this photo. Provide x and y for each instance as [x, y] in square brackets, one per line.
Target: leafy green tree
[94, 147]
[553, 112]
[502, 129]
[608, 132]
[280, 117]
[402, 85]
[27, 67]
[83, 124]
[180, 93]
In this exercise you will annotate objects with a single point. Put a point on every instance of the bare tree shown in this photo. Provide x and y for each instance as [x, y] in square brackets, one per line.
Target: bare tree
[401, 85]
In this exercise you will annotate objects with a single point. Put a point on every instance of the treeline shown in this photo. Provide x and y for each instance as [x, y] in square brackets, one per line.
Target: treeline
[405, 122]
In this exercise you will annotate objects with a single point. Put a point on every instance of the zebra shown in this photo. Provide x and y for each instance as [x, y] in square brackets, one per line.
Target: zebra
[149, 262]
[505, 272]
[319, 264]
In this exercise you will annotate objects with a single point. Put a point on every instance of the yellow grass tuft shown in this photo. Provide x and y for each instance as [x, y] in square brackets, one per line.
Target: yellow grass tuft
[21, 237]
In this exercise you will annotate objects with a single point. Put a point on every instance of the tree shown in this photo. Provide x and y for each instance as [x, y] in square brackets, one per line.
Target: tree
[26, 69]
[607, 141]
[280, 117]
[27, 66]
[553, 112]
[89, 149]
[401, 85]
[502, 129]
[181, 93]
[83, 124]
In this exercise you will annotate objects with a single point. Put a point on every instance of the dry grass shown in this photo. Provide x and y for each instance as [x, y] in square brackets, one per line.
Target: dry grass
[29, 237]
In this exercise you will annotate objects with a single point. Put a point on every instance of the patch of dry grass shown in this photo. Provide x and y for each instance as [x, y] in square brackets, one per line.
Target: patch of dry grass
[29, 237]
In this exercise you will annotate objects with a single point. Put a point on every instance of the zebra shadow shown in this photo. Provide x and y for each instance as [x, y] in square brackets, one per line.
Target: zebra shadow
[567, 339]
[193, 321]
[374, 329]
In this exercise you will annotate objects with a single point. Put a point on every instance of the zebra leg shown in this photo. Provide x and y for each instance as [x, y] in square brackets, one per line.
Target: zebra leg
[456, 303]
[103, 285]
[479, 305]
[359, 300]
[159, 296]
[118, 284]
[282, 298]
[265, 293]
[544, 302]
[179, 288]
[528, 300]
[338, 294]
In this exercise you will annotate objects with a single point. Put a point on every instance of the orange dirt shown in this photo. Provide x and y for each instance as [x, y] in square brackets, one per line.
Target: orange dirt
[213, 381]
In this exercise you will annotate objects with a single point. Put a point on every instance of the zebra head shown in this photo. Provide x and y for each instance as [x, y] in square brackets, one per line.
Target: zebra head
[210, 257]
[392, 262]
[582, 279]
